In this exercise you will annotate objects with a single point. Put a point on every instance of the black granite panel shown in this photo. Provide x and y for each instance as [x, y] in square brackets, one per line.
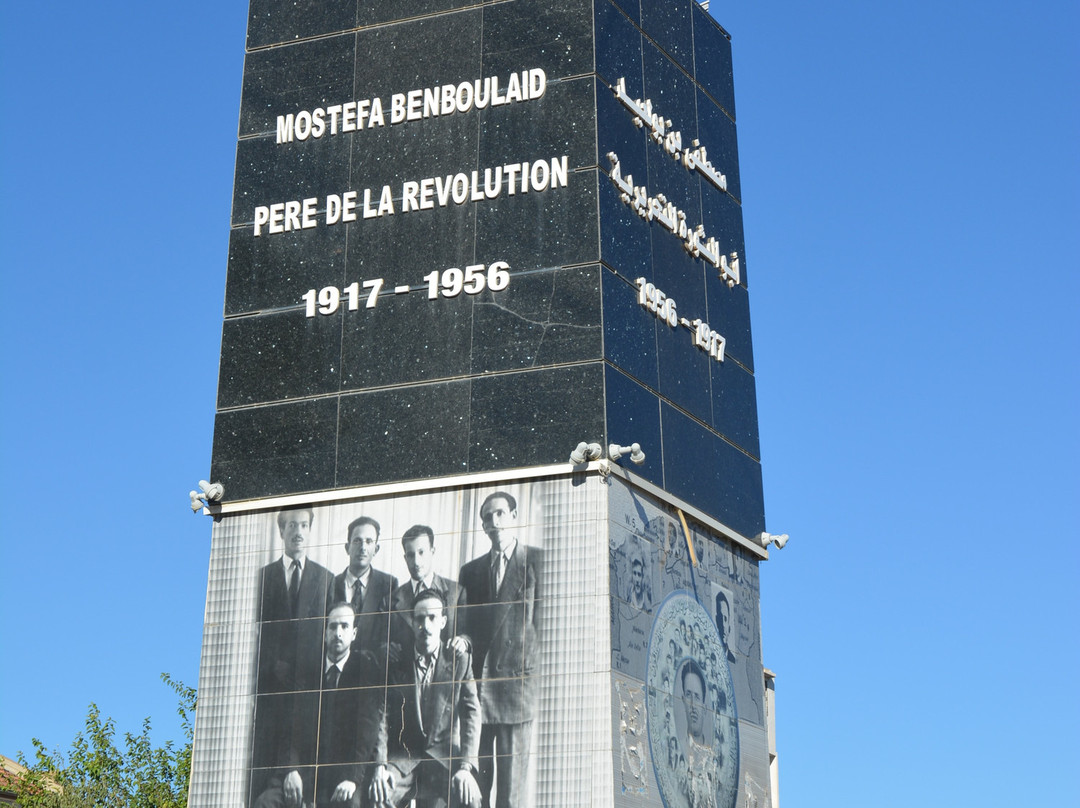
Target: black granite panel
[413, 152]
[269, 174]
[271, 357]
[555, 35]
[562, 121]
[542, 318]
[709, 473]
[407, 338]
[674, 98]
[729, 313]
[405, 247]
[272, 22]
[618, 48]
[633, 416]
[722, 217]
[625, 240]
[631, 8]
[691, 463]
[274, 271]
[717, 133]
[541, 229]
[535, 417]
[629, 330]
[374, 13]
[735, 405]
[400, 58]
[677, 273]
[684, 368]
[280, 449]
[403, 434]
[304, 76]
[712, 60]
[667, 22]
[616, 133]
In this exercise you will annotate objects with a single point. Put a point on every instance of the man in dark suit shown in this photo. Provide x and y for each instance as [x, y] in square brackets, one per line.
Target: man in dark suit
[292, 603]
[503, 590]
[349, 718]
[723, 623]
[430, 694]
[369, 591]
[418, 544]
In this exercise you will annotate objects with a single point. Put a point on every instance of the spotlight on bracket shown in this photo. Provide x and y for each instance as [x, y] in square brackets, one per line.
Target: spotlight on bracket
[615, 451]
[207, 493]
[586, 452]
[773, 538]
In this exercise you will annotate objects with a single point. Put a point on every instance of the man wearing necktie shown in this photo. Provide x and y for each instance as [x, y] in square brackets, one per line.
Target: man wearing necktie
[430, 735]
[418, 544]
[348, 722]
[368, 590]
[292, 603]
[503, 590]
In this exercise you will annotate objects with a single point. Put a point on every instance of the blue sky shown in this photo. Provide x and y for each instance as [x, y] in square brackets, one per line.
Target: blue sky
[910, 176]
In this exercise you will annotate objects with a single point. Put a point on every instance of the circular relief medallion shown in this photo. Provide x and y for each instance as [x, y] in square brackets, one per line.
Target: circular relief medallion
[690, 708]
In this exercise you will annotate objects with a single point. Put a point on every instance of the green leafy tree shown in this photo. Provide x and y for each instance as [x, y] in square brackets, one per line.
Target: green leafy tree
[95, 773]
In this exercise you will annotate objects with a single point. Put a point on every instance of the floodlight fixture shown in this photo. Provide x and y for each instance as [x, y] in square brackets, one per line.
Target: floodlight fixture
[779, 539]
[586, 452]
[208, 492]
[615, 451]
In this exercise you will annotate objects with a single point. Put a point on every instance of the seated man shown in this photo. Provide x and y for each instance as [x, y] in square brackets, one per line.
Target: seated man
[429, 691]
[348, 724]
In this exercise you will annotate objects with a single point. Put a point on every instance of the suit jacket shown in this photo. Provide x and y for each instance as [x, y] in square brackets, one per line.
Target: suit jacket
[274, 599]
[345, 719]
[402, 628]
[350, 713]
[373, 620]
[412, 731]
[290, 647]
[503, 631]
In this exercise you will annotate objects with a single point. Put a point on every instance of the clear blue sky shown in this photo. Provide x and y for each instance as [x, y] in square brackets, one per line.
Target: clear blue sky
[910, 176]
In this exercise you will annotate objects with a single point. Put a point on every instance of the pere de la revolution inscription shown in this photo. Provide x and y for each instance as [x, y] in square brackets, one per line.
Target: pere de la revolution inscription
[514, 178]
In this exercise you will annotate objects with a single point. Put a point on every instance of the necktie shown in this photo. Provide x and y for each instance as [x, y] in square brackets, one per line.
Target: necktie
[426, 664]
[358, 595]
[330, 680]
[497, 570]
[294, 588]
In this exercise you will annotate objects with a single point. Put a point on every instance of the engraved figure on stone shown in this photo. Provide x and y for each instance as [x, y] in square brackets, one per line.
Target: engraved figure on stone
[639, 588]
[723, 622]
[691, 720]
[632, 760]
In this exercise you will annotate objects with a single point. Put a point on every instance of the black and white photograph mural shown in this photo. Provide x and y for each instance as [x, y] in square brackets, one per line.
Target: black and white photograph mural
[566, 640]
[427, 649]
